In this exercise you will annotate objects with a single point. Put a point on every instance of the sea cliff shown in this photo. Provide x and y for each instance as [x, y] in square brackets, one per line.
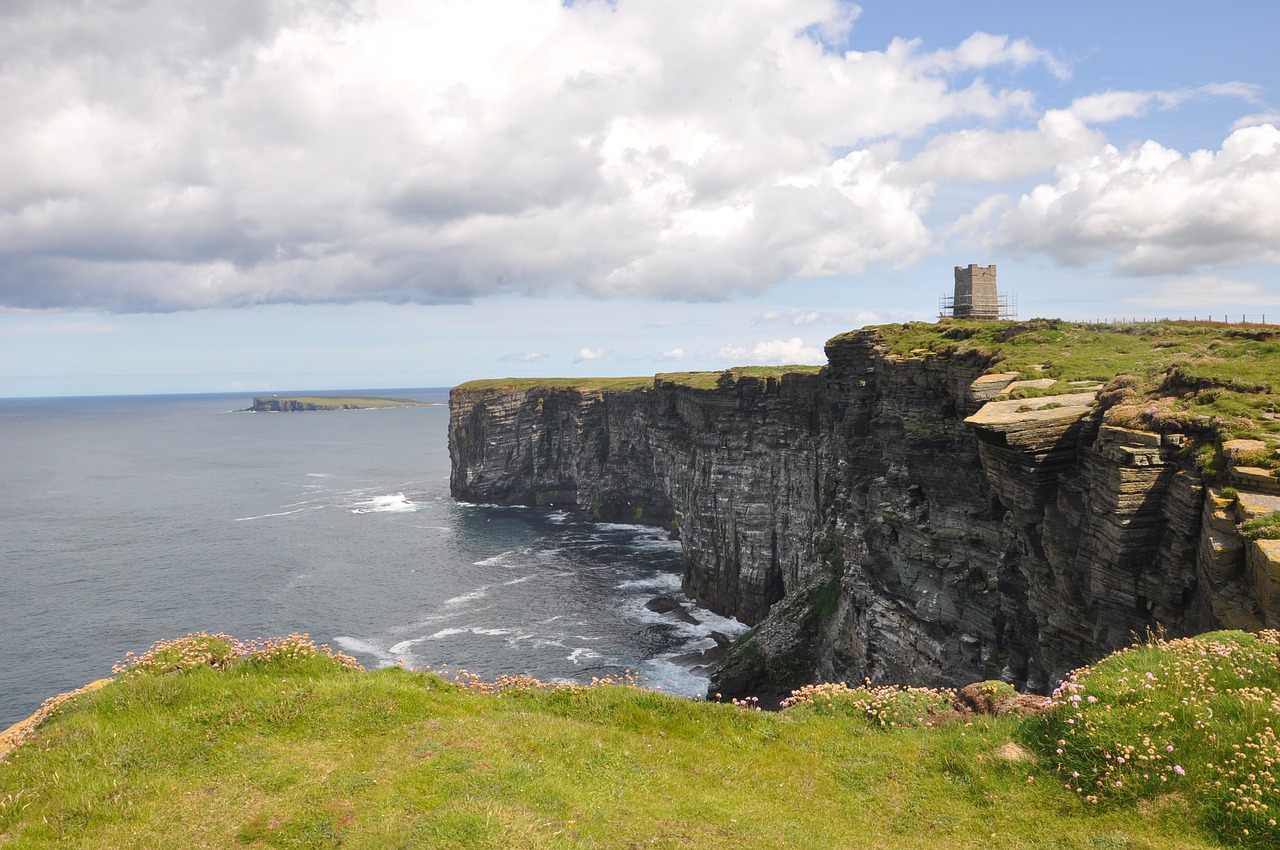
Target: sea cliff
[923, 515]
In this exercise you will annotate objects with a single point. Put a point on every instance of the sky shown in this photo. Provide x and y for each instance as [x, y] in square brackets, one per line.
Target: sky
[273, 195]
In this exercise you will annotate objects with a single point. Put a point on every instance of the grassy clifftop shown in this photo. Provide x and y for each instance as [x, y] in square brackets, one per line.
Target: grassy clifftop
[1194, 377]
[206, 741]
[696, 380]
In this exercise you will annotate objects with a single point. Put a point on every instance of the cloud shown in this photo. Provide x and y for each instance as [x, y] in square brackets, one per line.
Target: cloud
[777, 352]
[588, 354]
[1113, 105]
[1205, 291]
[985, 50]
[801, 317]
[988, 156]
[1259, 118]
[191, 155]
[674, 354]
[526, 357]
[1156, 211]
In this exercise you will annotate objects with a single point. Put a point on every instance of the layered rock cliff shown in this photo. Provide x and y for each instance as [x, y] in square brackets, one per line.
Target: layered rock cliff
[883, 518]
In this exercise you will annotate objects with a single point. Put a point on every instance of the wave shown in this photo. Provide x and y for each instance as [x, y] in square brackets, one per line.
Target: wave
[521, 580]
[471, 596]
[668, 582]
[583, 654]
[662, 674]
[280, 513]
[395, 502]
[355, 645]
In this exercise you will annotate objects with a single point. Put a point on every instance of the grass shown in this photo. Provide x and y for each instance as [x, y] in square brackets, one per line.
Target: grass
[210, 742]
[1205, 379]
[694, 380]
[1202, 378]
[1266, 527]
[1192, 718]
[522, 384]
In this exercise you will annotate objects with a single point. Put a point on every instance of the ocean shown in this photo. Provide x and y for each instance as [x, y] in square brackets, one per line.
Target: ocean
[127, 520]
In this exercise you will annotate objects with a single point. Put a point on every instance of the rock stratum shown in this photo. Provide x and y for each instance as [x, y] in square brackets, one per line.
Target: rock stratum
[898, 517]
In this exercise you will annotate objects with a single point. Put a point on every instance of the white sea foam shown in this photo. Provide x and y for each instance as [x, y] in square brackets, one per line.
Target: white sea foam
[669, 677]
[443, 633]
[280, 513]
[319, 474]
[395, 502]
[655, 544]
[350, 644]
[493, 561]
[583, 654]
[404, 646]
[707, 621]
[520, 580]
[622, 526]
[664, 582]
[472, 596]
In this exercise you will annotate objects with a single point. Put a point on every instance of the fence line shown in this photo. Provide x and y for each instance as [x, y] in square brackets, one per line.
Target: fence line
[1225, 319]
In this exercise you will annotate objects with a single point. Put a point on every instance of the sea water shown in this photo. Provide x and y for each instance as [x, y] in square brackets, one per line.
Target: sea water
[127, 520]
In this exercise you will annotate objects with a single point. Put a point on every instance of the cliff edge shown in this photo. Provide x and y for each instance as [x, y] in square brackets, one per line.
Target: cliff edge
[940, 504]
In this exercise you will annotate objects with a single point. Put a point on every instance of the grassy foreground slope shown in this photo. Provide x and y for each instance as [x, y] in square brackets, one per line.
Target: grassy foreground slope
[206, 742]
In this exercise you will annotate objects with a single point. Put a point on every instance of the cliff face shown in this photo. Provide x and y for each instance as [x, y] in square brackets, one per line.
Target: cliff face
[883, 519]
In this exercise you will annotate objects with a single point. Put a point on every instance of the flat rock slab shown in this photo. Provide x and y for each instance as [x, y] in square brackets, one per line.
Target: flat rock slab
[1037, 384]
[1019, 410]
[1257, 504]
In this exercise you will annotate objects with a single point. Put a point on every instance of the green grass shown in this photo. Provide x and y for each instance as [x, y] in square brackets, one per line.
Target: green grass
[1202, 378]
[522, 384]
[695, 380]
[1265, 527]
[284, 746]
[1192, 718]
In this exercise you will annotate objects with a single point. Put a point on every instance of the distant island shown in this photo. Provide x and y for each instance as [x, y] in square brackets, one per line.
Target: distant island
[275, 403]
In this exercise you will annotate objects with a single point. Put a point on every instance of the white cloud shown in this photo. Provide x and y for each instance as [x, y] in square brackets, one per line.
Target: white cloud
[985, 50]
[1155, 210]
[1259, 118]
[801, 317]
[1112, 105]
[188, 155]
[1205, 291]
[588, 354]
[526, 357]
[776, 352]
[988, 156]
[674, 354]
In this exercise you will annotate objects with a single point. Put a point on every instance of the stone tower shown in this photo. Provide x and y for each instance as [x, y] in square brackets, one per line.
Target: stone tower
[975, 295]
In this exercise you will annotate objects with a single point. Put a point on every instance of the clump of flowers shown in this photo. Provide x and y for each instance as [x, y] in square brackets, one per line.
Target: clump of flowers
[1265, 527]
[880, 706]
[1193, 715]
[222, 651]
[524, 683]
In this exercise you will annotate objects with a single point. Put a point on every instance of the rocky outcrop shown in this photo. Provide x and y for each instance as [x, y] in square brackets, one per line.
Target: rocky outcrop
[885, 518]
[277, 404]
